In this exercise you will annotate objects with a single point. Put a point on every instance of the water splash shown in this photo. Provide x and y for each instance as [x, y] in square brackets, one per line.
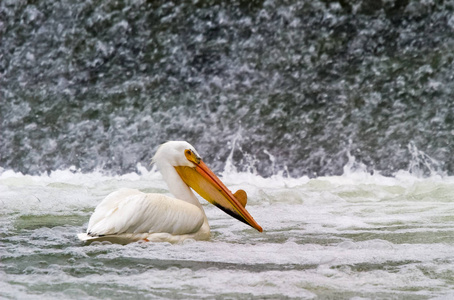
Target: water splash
[101, 84]
[422, 165]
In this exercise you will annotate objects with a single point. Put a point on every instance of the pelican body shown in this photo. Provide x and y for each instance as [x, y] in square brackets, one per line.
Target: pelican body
[129, 215]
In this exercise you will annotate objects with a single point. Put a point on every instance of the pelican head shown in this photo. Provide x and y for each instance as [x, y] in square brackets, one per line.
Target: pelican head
[183, 158]
[173, 153]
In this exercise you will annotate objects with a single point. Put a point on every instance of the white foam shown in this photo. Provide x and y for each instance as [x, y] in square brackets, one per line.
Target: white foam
[358, 232]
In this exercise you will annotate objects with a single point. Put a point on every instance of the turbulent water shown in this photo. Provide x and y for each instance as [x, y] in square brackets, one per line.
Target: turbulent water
[337, 118]
[103, 83]
[355, 236]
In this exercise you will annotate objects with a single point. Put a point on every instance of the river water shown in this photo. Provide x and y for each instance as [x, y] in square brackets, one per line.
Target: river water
[355, 236]
[335, 116]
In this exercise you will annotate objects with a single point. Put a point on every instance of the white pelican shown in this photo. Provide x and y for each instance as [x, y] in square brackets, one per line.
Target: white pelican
[129, 215]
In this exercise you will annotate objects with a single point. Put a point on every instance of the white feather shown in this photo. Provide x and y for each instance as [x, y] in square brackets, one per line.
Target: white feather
[131, 211]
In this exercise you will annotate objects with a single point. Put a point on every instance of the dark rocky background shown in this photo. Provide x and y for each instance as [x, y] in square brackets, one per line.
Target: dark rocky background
[100, 84]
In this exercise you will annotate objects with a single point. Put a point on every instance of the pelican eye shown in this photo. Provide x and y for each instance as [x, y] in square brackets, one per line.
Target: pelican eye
[191, 156]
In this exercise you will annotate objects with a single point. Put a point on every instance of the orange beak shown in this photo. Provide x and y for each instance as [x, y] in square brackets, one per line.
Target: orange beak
[210, 187]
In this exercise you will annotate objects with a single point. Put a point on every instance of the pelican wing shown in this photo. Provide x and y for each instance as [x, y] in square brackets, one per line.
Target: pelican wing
[131, 211]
